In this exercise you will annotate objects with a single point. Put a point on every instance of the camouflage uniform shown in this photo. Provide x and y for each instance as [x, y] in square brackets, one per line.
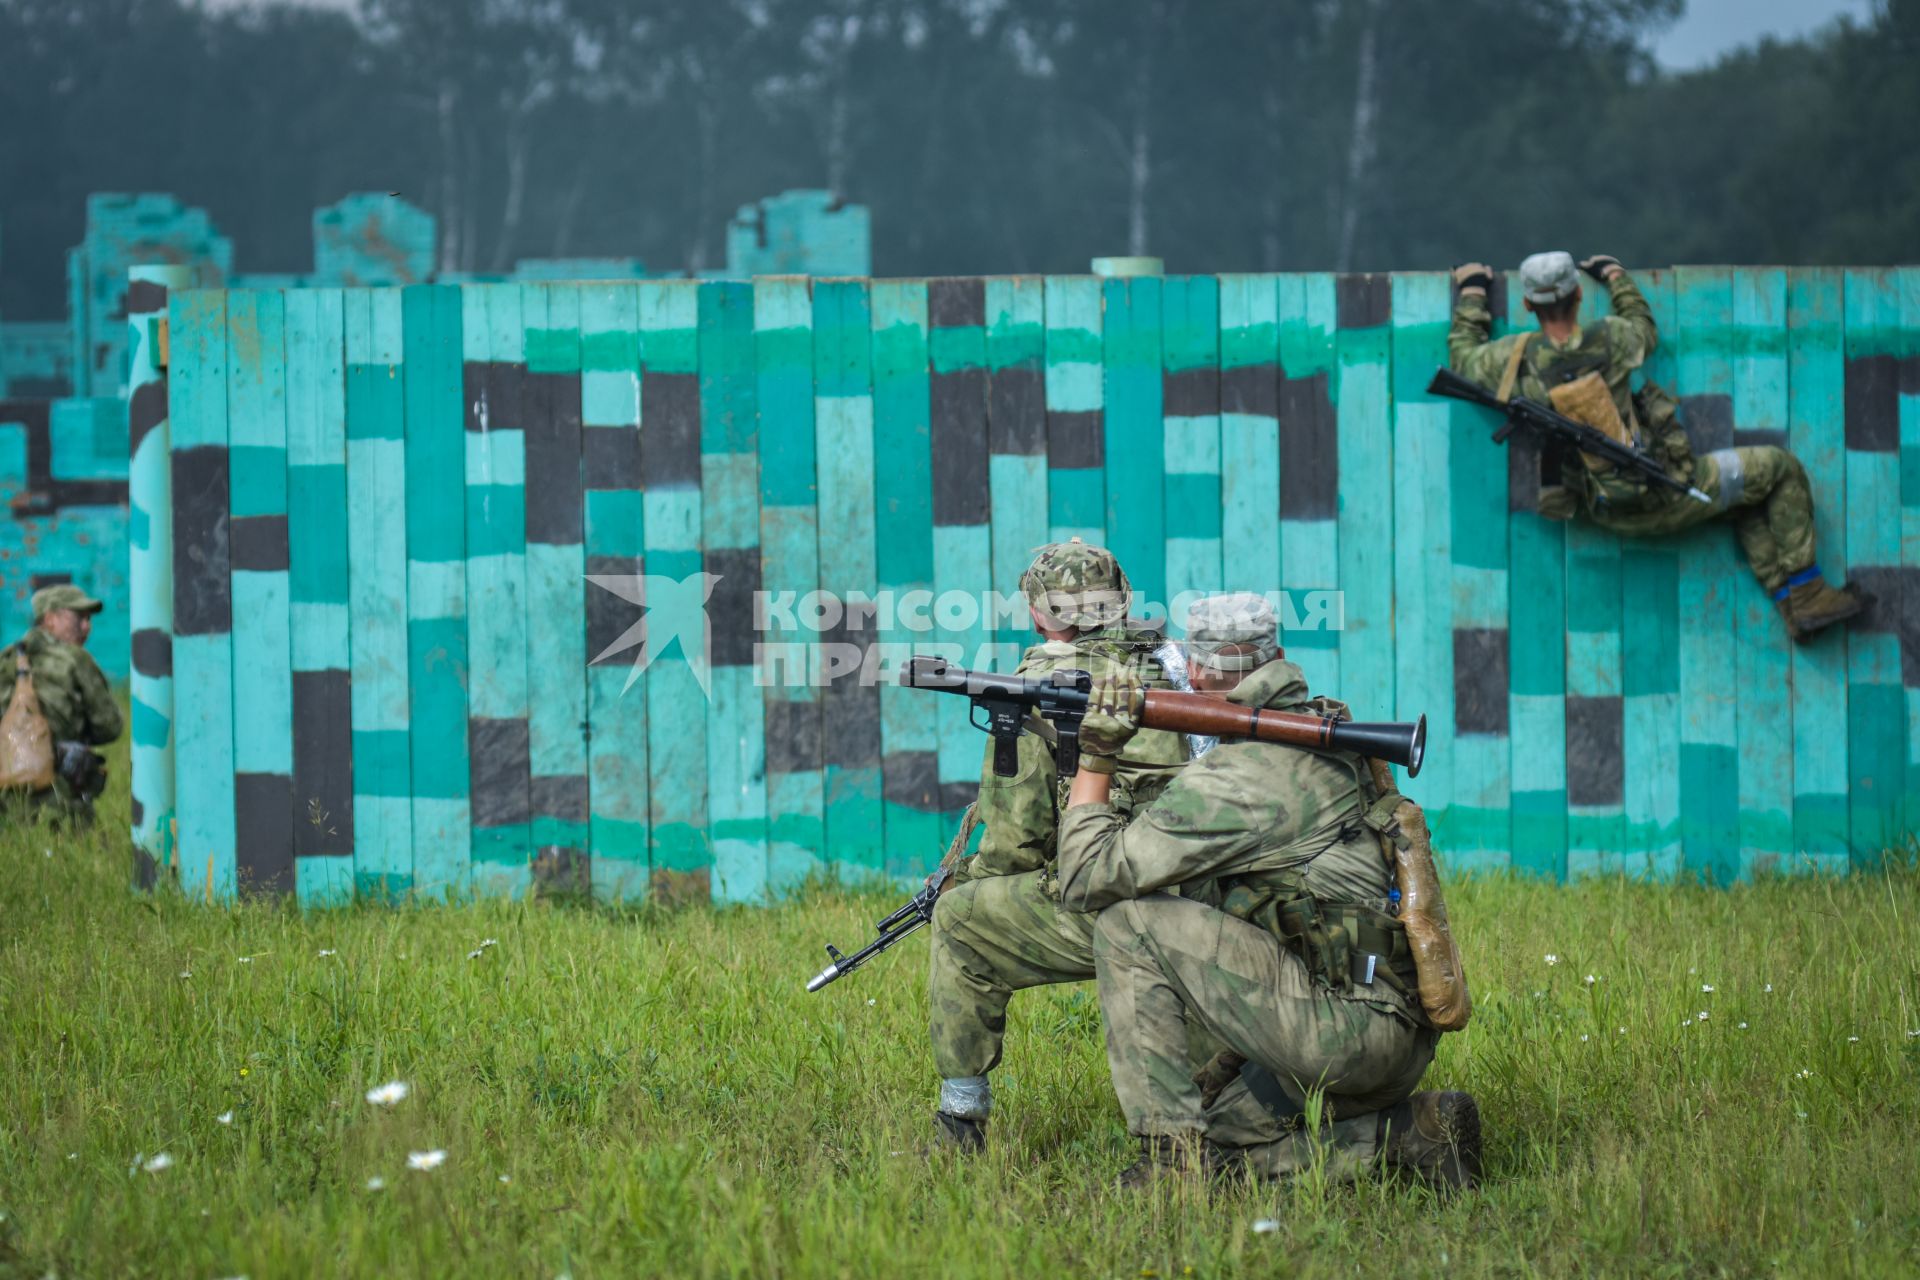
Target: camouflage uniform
[1265, 824]
[1000, 929]
[1763, 489]
[74, 695]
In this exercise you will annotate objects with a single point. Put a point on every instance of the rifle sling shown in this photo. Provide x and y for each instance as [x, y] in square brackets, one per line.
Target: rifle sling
[1512, 373]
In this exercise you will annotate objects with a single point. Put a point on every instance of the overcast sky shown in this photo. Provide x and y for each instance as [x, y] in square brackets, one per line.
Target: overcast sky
[1713, 27]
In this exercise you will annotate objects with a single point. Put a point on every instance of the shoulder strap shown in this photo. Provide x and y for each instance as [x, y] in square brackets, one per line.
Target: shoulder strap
[1512, 374]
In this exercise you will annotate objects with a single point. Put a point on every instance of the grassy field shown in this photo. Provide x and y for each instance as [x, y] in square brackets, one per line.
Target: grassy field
[1733, 1093]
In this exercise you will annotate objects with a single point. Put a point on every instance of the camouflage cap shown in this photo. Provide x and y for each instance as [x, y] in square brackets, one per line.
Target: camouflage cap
[1549, 277]
[1075, 584]
[1234, 632]
[62, 595]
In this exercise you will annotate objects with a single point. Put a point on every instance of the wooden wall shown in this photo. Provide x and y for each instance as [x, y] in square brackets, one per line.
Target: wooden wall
[386, 503]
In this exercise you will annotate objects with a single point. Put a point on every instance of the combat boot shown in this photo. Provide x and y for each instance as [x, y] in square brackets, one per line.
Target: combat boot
[958, 1135]
[1162, 1156]
[1436, 1136]
[1816, 605]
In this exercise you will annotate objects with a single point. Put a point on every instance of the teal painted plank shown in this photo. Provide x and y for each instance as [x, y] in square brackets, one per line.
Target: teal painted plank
[1537, 709]
[1314, 559]
[1876, 707]
[202, 661]
[676, 683]
[1250, 433]
[1134, 446]
[377, 592]
[1816, 381]
[492, 333]
[1017, 475]
[1423, 531]
[903, 523]
[844, 448]
[437, 653]
[1190, 434]
[556, 588]
[1650, 658]
[323, 882]
[615, 537]
[1762, 664]
[1710, 578]
[1363, 532]
[790, 563]
[1909, 278]
[1076, 400]
[263, 670]
[730, 532]
[1480, 828]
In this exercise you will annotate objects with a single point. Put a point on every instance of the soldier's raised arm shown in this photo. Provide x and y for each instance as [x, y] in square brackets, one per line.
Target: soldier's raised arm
[1470, 351]
[1631, 330]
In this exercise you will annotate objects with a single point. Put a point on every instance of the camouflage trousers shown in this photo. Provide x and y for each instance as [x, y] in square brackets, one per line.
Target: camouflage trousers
[1762, 489]
[1162, 961]
[992, 937]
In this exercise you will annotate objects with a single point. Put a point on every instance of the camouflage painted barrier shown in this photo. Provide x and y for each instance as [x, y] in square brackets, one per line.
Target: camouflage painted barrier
[405, 521]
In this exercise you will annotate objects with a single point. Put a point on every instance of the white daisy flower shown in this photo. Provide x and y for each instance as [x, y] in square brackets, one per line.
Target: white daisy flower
[1853, 1039]
[1702, 1015]
[1768, 988]
[159, 1162]
[1706, 988]
[327, 951]
[225, 1117]
[424, 1160]
[245, 959]
[1552, 959]
[389, 1093]
[1590, 979]
[376, 1184]
[1803, 1074]
[1743, 1026]
[1583, 1039]
[476, 953]
[504, 1178]
[1266, 1226]
[489, 942]
[186, 973]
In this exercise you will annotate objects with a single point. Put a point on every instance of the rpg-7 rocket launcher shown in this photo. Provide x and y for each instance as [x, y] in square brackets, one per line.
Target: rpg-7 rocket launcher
[1001, 704]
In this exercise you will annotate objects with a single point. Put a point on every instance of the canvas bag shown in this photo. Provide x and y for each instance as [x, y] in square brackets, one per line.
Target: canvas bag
[26, 743]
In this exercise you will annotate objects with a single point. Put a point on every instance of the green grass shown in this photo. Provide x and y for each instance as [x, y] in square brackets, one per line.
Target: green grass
[666, 1100]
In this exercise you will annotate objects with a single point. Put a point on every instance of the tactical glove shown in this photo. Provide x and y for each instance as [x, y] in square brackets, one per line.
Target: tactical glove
[1113, 717]
[1599, 264]
[1473, 275]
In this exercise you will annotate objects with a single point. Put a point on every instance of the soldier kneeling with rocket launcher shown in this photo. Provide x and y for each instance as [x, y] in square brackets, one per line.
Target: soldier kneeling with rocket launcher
[1309, 936]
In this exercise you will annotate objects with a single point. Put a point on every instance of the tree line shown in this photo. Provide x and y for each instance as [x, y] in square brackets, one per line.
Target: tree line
[987, 136]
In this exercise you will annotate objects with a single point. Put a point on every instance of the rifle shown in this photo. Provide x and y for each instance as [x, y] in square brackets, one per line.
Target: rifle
[1557, 427]
[918, 911]
[1061, 698]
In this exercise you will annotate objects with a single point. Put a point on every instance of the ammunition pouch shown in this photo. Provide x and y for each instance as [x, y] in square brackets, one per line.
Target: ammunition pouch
[1344, 945]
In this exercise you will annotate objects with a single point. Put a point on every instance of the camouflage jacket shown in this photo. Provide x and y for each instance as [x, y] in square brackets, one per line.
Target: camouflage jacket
[73, 693]
[1242, 809]
[1020, 814]
[1612, 346]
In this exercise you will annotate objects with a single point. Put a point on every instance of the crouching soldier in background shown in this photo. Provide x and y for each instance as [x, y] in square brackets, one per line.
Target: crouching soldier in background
[1294, 957]
[1583, 371]
[999, 928]
[74, 698]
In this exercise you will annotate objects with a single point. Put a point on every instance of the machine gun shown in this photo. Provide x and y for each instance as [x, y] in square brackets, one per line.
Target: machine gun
[1558, 428]
[1061, 699]
[918, 911]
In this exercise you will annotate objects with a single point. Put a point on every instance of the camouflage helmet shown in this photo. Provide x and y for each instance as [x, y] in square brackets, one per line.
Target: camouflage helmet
[1074, 585]
[1234, 632]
